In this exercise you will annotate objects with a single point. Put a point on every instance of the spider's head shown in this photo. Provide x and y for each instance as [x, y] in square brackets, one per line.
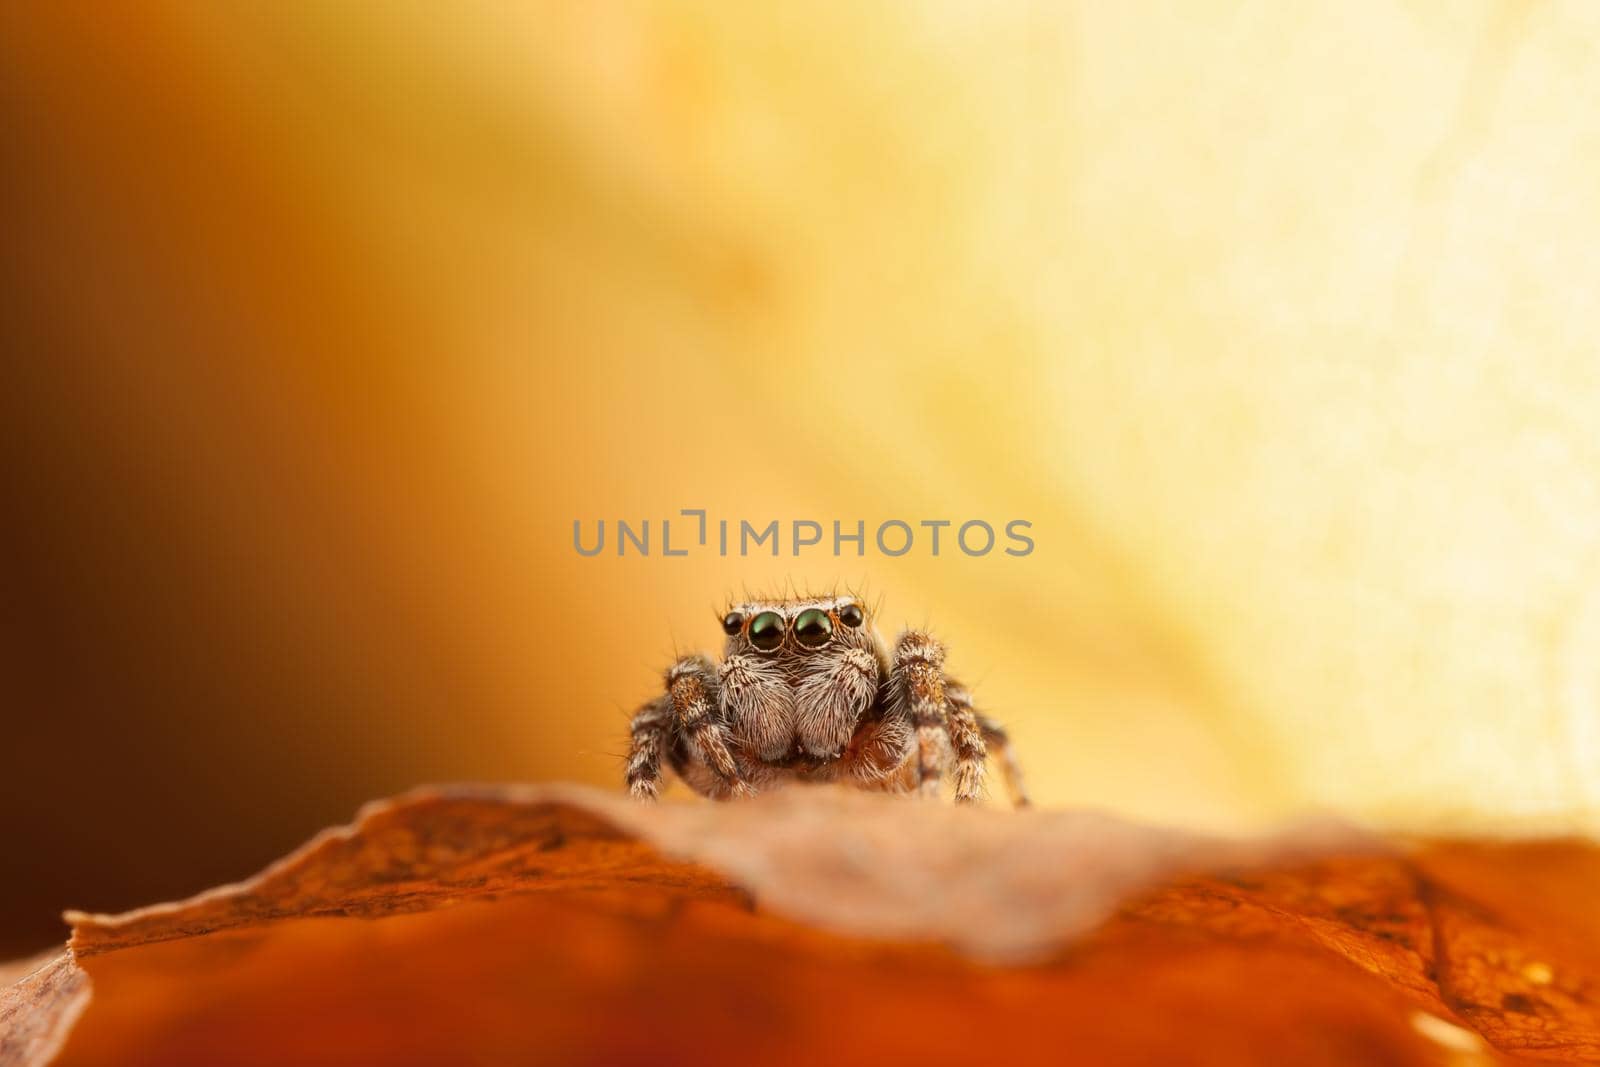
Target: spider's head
[799, 634]
[797, 674]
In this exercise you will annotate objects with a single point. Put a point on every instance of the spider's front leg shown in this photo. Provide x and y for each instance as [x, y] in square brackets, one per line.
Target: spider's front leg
[923, 690]
[969, 742]
[687, 710]
[650, 734]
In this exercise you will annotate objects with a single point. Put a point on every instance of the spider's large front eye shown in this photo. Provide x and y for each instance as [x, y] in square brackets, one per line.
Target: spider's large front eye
[851, 616]
[813, 627]
[766, 631]
[731, 623]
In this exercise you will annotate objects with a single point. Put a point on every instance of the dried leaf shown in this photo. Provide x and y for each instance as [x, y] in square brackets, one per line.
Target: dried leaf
[563, 925]
[40, 999]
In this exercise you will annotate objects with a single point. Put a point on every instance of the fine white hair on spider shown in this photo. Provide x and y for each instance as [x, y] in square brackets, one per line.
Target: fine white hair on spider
[807, 690]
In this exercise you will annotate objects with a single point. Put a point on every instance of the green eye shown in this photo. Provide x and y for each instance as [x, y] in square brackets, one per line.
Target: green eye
[813, 627]
[766, 631]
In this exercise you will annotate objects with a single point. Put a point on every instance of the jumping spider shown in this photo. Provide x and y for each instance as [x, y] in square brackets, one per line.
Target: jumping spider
[808, 691]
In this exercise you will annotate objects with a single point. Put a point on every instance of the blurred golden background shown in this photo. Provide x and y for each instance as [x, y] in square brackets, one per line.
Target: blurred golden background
[325, 321]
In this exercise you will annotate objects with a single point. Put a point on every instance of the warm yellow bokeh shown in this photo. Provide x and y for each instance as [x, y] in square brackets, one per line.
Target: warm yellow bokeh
[1278, 322]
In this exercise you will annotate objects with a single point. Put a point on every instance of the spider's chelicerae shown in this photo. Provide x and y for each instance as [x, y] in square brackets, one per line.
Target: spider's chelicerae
[807, 690]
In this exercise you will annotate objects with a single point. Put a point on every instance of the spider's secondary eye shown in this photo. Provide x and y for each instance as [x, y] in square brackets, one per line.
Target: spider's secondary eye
[851, 616]
[766, 631]
[813, 628]
[731, 623]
